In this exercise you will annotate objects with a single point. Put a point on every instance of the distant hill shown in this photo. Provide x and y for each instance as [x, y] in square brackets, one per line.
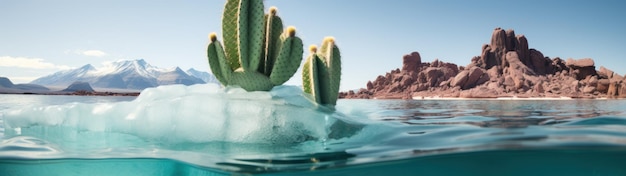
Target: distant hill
[79, 86]
[7, 86]
[127, 74]
[5, 82]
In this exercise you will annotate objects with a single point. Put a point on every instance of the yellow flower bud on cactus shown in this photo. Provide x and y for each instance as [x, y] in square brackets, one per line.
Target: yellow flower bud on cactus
[313, 48]
[273, 10]
[291, 31]
[212, 37]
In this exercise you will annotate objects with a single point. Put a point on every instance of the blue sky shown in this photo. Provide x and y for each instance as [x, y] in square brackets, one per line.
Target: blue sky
[39, 37]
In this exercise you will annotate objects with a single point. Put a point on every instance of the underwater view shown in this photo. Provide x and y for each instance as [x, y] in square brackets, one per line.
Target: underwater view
[209, 130]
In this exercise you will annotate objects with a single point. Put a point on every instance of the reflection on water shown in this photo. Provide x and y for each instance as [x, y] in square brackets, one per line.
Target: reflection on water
[496, 113]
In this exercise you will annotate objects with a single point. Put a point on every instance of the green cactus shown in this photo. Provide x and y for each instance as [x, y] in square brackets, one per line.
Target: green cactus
[255, 55]
[322, 72]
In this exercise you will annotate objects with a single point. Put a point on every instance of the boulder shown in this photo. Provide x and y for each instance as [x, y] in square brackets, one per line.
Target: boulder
[509, 81]
[606, 73]
[494, 73]
[581, 68]
[539, 88]
[460, 79]
[589, 89]
[380, 81]
[558, 65]
[519, 82]
[411, 62]
[580, 63]
[435, 63]
[449, 69]
[370, 86]
[475, 77]
[603, 86]
[406, 80]
[433, 76]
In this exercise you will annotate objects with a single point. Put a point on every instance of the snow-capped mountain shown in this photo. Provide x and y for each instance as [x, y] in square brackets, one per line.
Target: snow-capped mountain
[205, 76]
[177, 76]
[127, 74]
[66, 77]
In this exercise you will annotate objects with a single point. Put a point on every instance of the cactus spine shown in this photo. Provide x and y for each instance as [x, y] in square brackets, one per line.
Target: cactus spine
[255, 55]
[322, 72]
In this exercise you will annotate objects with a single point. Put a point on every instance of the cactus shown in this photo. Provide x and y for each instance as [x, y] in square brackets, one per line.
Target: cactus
[255, 55]
[322, 72]
[258, 55]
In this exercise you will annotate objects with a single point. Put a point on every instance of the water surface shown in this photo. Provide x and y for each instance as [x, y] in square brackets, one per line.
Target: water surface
[408, 137]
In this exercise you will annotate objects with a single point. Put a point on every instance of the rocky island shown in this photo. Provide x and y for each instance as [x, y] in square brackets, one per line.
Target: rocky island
[507, 67]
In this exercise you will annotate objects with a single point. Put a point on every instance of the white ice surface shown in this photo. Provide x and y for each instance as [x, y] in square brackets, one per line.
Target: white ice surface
[198, 113]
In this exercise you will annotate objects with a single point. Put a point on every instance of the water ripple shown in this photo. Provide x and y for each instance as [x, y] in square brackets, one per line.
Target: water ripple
[26, 147]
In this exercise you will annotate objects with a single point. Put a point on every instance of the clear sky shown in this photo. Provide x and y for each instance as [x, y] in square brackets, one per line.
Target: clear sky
[39, 37]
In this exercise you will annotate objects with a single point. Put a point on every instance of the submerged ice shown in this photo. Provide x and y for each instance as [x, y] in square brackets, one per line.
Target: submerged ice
[198, 113]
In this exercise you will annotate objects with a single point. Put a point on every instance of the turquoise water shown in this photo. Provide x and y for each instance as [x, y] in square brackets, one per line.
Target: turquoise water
[374, 137]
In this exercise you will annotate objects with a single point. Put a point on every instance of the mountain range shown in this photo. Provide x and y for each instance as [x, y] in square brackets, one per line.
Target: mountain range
[6, 86]
[126, 74]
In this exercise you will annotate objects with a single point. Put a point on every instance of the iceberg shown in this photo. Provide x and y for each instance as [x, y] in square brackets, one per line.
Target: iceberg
[192, 114]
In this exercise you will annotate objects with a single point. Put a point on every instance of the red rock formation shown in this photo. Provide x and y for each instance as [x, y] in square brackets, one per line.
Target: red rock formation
[540, 64]
[581, 68]
[522, 50]
[606, 73]
[506, 67]
[411, 62]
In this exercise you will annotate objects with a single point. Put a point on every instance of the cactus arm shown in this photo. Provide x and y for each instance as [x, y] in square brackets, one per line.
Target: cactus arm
[242, 25]
[310, 75]
[324, 85]
[229, 33]
[256, 33]
[217, 60]
[288, 59]
[332, 58]
[251, 32]
[273, 42]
